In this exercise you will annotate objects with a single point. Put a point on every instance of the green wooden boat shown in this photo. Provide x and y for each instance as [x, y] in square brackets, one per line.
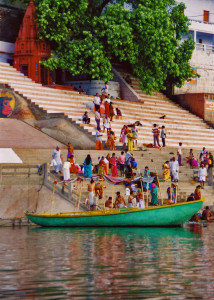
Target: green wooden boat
[168, 215]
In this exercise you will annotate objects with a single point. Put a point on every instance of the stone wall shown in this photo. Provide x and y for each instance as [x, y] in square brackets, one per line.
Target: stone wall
[15, 199]
[92, 87]
[66, 131]
[203, 62]
[56, 126]
[193, 103]
[126, 91]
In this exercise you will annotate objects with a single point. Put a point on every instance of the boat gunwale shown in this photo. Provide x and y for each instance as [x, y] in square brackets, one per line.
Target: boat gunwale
[112, 211]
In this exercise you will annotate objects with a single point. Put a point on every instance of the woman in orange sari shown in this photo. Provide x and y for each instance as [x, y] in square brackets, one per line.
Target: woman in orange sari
[112, 141]
[73, 168]
[102, 167]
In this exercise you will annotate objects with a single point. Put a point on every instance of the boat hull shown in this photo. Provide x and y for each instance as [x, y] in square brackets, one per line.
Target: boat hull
[169, 215]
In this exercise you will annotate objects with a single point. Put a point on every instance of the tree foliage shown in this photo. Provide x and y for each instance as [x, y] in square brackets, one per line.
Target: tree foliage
[87, 36]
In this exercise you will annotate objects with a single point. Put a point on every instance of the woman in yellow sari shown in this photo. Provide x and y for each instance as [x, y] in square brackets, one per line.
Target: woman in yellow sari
[130, 140]
[166, 172]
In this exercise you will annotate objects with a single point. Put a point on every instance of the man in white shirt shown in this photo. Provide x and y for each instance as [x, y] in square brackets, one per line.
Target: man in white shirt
[99, 145]
[57, 156]
[66, 170]
[202, 175]
[96, 102]
[174, 168]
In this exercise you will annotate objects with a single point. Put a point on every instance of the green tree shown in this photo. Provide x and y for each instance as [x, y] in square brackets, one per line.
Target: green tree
[88, 36]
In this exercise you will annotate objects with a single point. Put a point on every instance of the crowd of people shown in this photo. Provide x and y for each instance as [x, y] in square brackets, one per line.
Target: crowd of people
[125, 164]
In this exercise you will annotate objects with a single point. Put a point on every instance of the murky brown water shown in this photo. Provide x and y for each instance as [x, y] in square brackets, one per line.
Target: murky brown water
[120, 263]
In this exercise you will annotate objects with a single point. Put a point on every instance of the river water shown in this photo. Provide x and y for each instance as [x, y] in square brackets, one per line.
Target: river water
[105, 263]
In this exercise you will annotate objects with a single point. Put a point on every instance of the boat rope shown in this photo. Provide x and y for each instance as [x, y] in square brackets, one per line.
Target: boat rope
[54, 187]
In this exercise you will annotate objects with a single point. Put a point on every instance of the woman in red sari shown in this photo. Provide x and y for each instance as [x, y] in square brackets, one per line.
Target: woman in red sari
[107, 111]
[113, 163]
[111, 110]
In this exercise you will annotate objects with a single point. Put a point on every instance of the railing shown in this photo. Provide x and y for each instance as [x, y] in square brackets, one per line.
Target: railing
[70, 192]
[201, 21]
[205, 47]
[7, 171]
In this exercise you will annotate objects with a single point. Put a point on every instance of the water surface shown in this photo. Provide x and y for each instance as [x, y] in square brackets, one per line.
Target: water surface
[107, 263]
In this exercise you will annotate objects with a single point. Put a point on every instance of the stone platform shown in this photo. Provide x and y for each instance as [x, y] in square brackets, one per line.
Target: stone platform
[18, 134]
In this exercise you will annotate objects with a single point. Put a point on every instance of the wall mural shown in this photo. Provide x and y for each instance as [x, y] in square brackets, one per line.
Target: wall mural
[7, 104]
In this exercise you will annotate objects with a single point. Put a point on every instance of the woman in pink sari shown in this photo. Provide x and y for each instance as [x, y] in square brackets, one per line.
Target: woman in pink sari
[113, 163]
[123, 134]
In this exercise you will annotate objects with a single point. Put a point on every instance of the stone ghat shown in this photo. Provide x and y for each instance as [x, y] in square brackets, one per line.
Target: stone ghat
[181, 125]
[153, 158]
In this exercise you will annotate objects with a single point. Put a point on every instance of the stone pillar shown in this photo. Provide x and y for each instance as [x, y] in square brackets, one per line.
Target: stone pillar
[195, 35]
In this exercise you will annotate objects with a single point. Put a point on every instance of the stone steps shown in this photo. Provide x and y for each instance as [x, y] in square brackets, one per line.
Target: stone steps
[180, 124]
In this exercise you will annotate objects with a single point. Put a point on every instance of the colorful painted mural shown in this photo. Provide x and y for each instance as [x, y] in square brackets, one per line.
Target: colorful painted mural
[7, 104]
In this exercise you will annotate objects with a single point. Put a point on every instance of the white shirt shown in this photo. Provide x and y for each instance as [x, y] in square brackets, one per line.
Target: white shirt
[66, 165]
[106, 88]
[174, 166]
[179, 150]
[97, 100]
[163, 134]
[57, 156]
[106, 123]
[106, 160]
[107, 100]
[202, 173]
[98, 136]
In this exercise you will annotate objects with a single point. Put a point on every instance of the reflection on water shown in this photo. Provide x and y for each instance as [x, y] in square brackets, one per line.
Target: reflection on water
[114, 263]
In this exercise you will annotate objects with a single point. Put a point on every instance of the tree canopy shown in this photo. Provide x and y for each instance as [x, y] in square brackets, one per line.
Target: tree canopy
[88, 36]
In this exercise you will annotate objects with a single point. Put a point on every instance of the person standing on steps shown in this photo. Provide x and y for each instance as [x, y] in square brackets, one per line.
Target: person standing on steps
[107, 111]
[122, 160]
[96, 102]
[88, 166]
[70, 150]
[156, 133]
[91, 194]
[163, 135]
[210, 169]
[174, 169]
[202, 175]
[197, 193]
[135, 135]
[106, 89]
[179, 152]
[130, 140]
[57, 156]
[99, 145]
[97, 118]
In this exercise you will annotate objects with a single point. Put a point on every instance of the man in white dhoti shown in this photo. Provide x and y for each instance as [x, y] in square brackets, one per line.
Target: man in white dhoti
[91, 194]
[174, 168]
[57, 156]
[202, 175]
[66, 170]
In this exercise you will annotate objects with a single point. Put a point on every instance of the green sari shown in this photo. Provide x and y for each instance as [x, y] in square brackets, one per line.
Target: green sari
[154, 195]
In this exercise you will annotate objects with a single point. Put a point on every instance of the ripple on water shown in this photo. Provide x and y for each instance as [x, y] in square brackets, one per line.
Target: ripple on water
[114, 263]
